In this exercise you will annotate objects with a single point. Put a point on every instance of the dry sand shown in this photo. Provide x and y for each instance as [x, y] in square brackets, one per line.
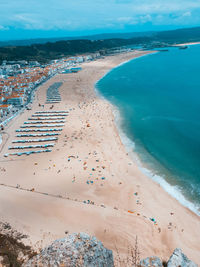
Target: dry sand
[187, 44]
[116, 214]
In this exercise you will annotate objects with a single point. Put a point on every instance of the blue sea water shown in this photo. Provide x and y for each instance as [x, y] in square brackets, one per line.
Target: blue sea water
[158, 97]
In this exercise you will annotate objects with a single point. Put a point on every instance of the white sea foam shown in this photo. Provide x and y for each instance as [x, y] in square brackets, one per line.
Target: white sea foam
[174, 191]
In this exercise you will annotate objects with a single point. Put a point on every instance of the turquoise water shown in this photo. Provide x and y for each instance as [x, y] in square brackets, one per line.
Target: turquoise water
[159, 101]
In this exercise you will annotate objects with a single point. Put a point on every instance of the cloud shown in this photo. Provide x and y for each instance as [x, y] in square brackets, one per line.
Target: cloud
[187, 14]
[145, 18]
[84, 15]
[3, 28]
[127, 20]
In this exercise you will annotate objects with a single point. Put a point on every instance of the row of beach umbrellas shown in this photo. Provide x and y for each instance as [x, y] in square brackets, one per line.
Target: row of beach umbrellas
[53, 121]
[50, 112]
[35, 140]
[46, 118]
[31, 146]
[53, 95]
[37, 135]
[39, 130]
[42, 125]
[26, 152]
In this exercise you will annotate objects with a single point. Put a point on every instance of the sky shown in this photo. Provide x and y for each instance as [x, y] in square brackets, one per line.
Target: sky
[23, 19]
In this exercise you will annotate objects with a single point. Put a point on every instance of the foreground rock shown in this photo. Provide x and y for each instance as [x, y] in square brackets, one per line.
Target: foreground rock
[82, 250]
[179, 259]
[74, 250]
[151, 262]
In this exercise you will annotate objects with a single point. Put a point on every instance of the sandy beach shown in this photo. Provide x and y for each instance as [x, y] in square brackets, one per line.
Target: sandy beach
[89, 183]
[187, 44]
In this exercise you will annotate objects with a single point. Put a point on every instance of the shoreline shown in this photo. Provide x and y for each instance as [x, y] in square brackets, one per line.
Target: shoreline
[188, 44]
[130, 146]
[57, 204]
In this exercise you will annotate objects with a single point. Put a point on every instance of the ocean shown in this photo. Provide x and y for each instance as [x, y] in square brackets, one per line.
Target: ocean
[158, 99]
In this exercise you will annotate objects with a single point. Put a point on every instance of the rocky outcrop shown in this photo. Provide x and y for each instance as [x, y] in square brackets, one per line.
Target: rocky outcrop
[74, 250]
[82, 250]
[151, 262]
[179, 259]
